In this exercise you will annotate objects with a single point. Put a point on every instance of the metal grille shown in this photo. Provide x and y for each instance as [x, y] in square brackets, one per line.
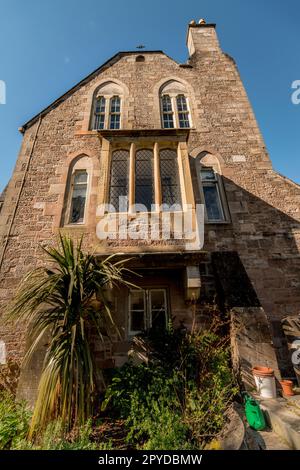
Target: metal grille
[119, 178]
[144, 188]
[169, 177]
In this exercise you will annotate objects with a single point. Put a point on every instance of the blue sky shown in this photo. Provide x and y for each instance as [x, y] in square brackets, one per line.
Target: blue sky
[48, 46]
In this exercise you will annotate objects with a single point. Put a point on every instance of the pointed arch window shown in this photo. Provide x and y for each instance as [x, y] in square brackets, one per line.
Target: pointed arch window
[107, 106]
[212, 197]
[78, 196]
[175, 110]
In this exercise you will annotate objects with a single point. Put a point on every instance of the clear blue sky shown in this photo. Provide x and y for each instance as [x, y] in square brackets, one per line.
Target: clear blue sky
[48, 46]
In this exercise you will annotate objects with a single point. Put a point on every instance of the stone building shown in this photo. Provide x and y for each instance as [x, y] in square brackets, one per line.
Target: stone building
[145, 127]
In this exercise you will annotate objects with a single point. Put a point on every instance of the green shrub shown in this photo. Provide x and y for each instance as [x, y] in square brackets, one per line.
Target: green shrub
[55, 438]
[178, 399]
[14, 420]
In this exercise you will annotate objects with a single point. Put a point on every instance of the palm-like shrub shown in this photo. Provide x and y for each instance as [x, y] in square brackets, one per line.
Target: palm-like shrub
[59, 301]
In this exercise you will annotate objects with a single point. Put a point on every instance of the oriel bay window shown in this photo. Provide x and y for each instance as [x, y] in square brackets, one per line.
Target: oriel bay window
[147, 308]
[146, 176]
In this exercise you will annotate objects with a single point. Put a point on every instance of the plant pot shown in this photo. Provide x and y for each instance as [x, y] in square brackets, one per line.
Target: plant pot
[287, 387]
[264, 381]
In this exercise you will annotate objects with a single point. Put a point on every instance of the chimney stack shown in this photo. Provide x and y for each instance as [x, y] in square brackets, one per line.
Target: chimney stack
[202, 37]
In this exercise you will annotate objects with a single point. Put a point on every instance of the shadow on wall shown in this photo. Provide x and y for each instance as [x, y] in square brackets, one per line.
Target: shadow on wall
[265, 239]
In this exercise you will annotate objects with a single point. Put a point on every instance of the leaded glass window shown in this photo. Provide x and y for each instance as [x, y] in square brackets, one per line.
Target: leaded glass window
[144, 187]
[115, 113]
[119, 178]
[213, 204]
[78, 199]
[167, 112]
[169, 176]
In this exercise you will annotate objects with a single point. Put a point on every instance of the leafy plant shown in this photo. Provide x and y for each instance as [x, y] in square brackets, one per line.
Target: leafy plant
[14, 420]
[66, 301]
[55, 438]
[177, 399]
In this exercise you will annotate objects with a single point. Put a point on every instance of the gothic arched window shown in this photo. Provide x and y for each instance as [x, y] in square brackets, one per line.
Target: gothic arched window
[107, 105]
[175, 110]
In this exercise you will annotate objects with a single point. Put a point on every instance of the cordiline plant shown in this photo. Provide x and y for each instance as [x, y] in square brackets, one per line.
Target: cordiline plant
[57, 301]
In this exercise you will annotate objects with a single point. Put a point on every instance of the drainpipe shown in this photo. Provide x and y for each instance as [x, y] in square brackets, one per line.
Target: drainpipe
[20, 191]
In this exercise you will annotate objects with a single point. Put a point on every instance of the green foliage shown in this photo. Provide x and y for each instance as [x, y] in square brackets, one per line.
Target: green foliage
[14, 420]
[55, 438]
[60, 301]
[178, 399]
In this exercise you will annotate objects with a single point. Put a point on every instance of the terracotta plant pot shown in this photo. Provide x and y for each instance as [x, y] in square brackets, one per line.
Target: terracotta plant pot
[287, 387]
[260, 371]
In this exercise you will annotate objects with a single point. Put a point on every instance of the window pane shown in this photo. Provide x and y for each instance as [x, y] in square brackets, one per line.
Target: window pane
[208, 174]
[99, 121]
[167, 111]
[157, 299]
[137, 300]
[144, 187]
[80, 177]
[78, 197]
[99, 113]
[114, 121]
[158, 308]
[137, 311]
[169, 177]
[166, 104]
[168, 121]
[184, 120]
[115, 104]
[212, 202]
[115, 109]
[137, 322]
[119, 177]
[100, 105]
[181, 103]
[183, 115]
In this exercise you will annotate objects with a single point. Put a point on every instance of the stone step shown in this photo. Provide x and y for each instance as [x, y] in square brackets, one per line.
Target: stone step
[269, 440]
[284, 419]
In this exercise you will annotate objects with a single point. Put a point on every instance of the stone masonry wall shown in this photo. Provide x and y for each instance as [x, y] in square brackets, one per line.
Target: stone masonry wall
[263, 205]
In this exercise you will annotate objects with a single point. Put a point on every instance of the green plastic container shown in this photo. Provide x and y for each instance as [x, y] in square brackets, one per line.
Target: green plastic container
[254, 414]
